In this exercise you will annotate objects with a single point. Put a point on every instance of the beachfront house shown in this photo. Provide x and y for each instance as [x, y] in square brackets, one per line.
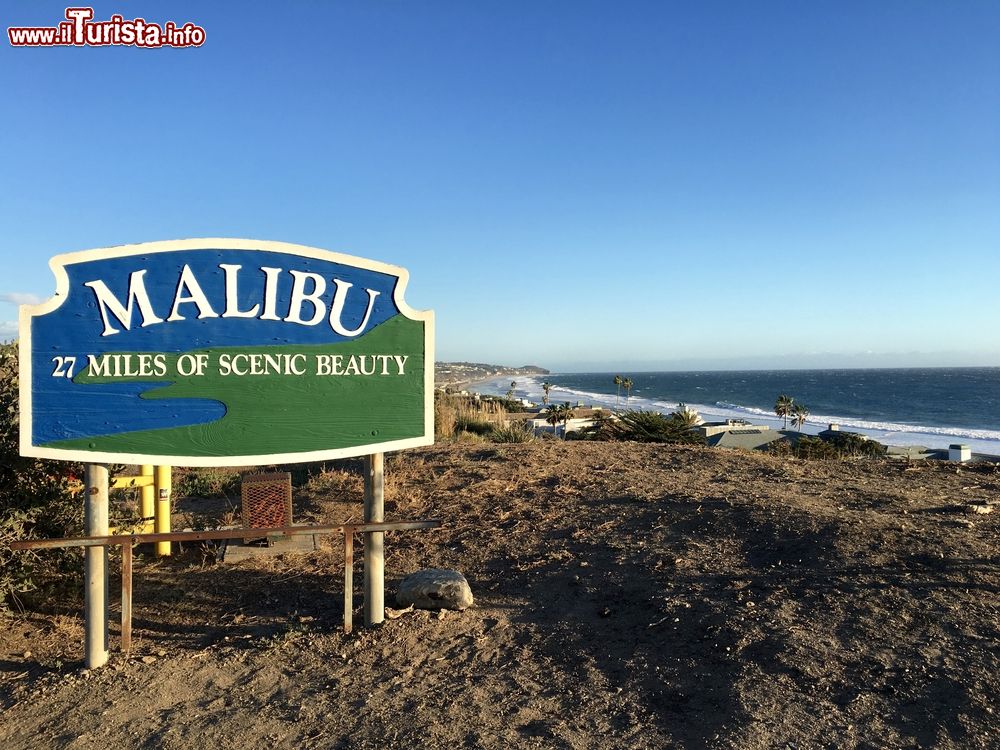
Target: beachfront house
[711, 429]
[746, 438]
[739, 433]
[583, 418]
[834, 431]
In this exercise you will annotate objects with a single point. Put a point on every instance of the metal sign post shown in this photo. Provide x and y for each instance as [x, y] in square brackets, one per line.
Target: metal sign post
[374, 551]
[95, 568]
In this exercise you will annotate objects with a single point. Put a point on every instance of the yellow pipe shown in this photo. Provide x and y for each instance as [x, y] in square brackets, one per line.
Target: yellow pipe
[147, 498]
[162, 514]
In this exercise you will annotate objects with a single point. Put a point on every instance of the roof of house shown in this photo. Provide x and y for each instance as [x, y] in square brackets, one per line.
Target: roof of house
[826, 434]
[747, 439]
[578, 411]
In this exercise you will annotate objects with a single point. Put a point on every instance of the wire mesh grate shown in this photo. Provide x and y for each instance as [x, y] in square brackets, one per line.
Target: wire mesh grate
[267, 500]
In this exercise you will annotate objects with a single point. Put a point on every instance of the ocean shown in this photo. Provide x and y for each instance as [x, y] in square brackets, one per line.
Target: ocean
[933, 407]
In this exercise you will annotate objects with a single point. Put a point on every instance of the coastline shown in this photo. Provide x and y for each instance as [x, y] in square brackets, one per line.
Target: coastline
[460, 376]
[472, 385]
[530, 388]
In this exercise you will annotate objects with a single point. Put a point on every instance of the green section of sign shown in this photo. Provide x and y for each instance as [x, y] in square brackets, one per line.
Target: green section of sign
[279, 399]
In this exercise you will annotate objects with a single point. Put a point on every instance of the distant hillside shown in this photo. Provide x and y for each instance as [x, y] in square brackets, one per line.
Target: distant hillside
[447, 373]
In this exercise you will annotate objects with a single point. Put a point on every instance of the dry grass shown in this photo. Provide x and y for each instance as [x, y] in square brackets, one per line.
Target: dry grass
[456, 416]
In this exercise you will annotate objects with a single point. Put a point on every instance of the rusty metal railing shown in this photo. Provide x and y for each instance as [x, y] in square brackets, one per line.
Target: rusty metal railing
[127, 541]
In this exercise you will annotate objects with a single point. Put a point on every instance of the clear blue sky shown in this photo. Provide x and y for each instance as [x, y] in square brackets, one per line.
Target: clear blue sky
[579, 185]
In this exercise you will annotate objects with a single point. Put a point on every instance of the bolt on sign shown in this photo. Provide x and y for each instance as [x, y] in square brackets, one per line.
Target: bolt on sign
[223, 352]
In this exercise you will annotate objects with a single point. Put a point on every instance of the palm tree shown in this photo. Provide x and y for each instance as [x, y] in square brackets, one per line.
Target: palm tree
[553, 419]
[510, 393]
[566, 413]
[560, 413]
[783, 407]
[627, 385]
[546, 387]
[618, 395]
[799, 415]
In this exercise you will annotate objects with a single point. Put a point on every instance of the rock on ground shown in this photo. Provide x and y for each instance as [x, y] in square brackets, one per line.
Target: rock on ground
[435, 588]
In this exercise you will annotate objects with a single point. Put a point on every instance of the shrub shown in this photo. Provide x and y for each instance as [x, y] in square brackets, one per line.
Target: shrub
[687, 416]
[469, 423]
[780, 448]
[208, 483]
[650, 427]
[814, 448]
[850, 445]
[845, 445]
[513, 432]
[598, 429]
[35, 501]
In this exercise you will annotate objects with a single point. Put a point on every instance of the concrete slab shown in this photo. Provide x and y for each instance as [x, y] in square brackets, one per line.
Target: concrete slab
[236, 549]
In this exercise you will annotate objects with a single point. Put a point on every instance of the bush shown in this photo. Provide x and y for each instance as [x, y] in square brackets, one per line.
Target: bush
[845, 445]
[598, 429]
[814, 448]
[468, 423]
[513, 432]
[780, 448]
[650, 427]
[470, 438]
[35, 502]
[208, 483]
[851, 445]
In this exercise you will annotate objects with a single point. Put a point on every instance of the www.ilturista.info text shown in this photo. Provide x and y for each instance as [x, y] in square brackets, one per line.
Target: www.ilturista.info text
[80, 30]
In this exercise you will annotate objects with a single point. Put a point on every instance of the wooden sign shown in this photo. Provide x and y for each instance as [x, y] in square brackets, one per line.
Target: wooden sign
[221, 352]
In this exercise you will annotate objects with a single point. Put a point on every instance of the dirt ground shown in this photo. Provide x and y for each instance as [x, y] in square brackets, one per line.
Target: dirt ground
[627, 596]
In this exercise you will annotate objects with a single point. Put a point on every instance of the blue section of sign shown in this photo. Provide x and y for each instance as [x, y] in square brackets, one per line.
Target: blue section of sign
[64, 409]
[110, 408]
